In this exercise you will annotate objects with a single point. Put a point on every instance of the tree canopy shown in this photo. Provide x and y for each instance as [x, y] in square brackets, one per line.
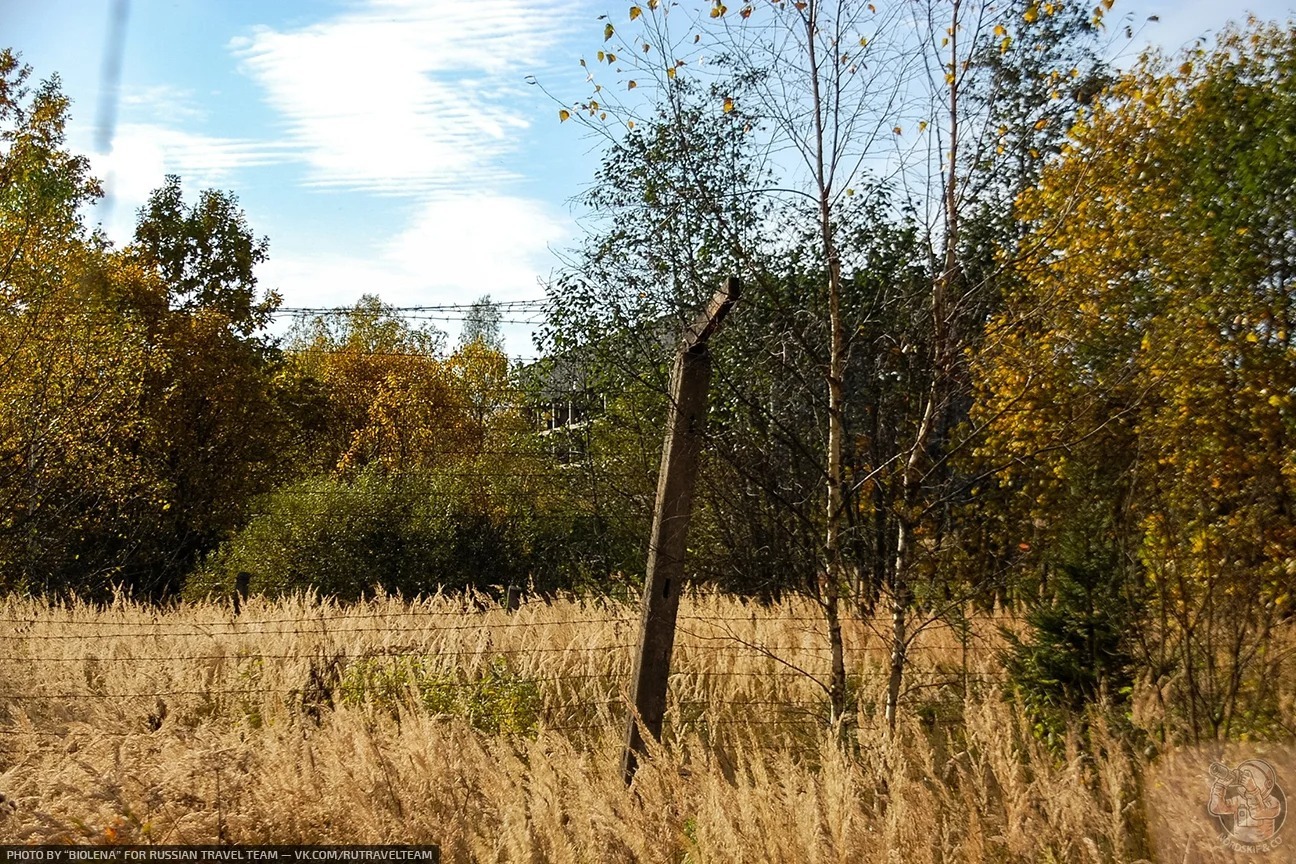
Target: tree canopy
[1145, 360]
[1016, 330]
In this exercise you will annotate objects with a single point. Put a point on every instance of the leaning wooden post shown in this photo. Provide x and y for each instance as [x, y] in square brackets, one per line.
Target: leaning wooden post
[662, 583]
[241, 584]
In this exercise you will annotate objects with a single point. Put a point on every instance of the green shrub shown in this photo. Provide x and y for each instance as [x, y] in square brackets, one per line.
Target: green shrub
[495, 700]
[413, 533]
[1076, 653]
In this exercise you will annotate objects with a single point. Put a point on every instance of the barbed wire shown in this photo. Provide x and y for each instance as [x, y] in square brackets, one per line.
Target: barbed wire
[341, 311]
[821, 721]
[634, 618]
[441, 681]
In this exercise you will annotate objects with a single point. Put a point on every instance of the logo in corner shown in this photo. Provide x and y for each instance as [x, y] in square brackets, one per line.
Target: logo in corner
[1249, 805]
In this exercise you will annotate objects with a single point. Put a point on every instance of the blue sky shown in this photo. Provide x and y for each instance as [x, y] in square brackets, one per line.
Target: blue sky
[384, 146]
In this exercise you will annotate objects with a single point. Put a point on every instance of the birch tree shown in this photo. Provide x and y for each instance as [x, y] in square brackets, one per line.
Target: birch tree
[923, 106]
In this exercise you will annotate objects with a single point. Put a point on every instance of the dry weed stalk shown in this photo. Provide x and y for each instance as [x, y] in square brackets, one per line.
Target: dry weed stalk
[304, 721]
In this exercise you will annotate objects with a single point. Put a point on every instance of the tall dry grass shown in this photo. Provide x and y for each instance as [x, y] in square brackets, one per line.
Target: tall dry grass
[498, 736]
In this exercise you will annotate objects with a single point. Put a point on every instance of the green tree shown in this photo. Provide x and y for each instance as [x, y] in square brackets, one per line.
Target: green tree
[135, 422]
[215, 425]
[68, 370]
[823, 97]
[481, 323]
[206, 254]
[1148, 352]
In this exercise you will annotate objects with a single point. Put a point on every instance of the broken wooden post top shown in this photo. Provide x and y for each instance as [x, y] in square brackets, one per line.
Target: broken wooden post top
[709, 321]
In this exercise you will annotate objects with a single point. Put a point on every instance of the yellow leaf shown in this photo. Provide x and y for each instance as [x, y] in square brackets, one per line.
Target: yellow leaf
[635, 12]
[632, 85]
[897, 130]
[630, 124]
[1000, 31]
[863, 42]
[670, 73]
[602, 115]
[607, 32]
[601, 56]
[872, 8]
[1031, 14]
[652, 4]
[564, 115]
[728, 105]
[1042, 123]
[922, 126]
[611, 59]
[850, 193]
[949, 77]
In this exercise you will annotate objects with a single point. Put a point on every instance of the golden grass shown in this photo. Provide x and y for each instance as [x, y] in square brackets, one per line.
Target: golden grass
[498, 736]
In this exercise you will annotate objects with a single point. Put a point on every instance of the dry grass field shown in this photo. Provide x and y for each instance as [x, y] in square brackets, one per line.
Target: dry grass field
[497, 735]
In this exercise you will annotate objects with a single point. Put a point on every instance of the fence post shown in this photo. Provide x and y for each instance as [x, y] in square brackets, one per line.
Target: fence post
[241, 584]
[685, 421]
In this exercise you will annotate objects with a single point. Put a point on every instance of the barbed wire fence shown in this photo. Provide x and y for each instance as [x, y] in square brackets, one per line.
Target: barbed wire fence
[501, 668]
[560, 666]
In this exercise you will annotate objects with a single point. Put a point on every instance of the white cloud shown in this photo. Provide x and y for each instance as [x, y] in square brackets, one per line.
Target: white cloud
[203, 160]
[144, 153]
[411, 98]
[480, 244]
[164, 103]
[416, 98]
[454, 250]
[314, 279]
[405, 96]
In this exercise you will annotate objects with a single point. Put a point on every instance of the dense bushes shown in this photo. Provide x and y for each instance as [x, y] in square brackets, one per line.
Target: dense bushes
[412, 533]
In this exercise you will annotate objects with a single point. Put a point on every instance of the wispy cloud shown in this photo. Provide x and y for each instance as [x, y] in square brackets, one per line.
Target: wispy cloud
[164, 103]
[144, 153]
[410, 97]
[202, 159]
[419, 100]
